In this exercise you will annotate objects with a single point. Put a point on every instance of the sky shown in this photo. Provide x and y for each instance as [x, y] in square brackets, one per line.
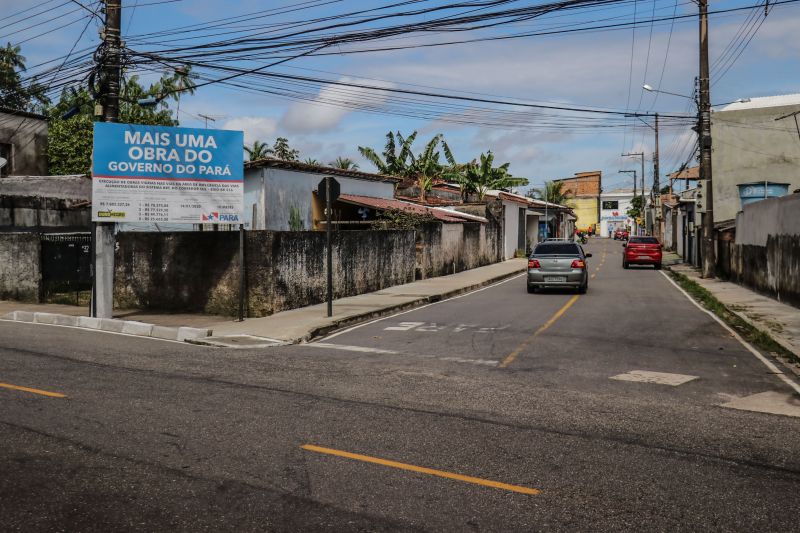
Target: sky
[601, 69]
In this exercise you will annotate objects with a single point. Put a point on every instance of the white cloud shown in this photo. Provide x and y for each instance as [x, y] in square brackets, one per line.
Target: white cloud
[255, 128]
[331, 105]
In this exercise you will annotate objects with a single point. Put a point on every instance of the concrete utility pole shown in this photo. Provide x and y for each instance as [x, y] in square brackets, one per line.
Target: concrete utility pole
[634, 179]
[103, 279]
[641, 155]
[704, 108]
[656, 170]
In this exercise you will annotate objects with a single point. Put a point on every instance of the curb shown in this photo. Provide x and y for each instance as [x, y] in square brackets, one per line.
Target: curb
[321, 331]
[794, 367]
[352, 320]
[110, 325]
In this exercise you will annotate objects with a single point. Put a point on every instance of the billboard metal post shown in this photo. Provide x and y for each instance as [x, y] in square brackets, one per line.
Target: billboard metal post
[328, 204]
[242, 273]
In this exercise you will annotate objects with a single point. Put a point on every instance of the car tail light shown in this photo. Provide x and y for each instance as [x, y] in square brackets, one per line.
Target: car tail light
[534, 263]
[578, 263]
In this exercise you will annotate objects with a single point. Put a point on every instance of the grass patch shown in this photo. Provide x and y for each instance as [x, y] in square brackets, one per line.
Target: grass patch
[751, 334]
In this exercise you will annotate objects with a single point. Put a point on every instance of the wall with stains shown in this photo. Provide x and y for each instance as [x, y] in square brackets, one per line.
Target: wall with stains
[20, 273]
[766, 252]
[199, 271]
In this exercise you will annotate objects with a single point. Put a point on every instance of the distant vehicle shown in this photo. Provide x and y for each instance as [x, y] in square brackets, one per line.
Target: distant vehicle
[621, 234]
[558, 264]
[642, 251]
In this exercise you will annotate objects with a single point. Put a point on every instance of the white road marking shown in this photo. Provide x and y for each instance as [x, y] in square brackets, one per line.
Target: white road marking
[773, 402]
[421, 307]
[659, 378]
[773, 369]
[404, 326]
[347, 348]
[365, 349]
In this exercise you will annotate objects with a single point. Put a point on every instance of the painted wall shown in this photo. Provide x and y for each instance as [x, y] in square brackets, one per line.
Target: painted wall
[585, 212]
[29, 144]
[511, 229]
[532, 231]
[276, 192]
[750, 145]
[20, 273]
[614, 218]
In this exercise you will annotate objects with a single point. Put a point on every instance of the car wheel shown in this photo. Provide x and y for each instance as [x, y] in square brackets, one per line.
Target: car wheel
[657, 266]
[583, 288]
[531, 289]
[625, 264]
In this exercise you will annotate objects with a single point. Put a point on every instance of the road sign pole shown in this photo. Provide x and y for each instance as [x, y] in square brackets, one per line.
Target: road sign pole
[328, 204]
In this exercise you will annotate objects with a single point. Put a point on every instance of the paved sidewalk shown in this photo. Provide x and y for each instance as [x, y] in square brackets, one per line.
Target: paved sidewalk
[306, 323]
[287, 327]
[778, 320]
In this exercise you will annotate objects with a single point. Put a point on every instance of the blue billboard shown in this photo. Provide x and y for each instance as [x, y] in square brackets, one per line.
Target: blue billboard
[166, 174]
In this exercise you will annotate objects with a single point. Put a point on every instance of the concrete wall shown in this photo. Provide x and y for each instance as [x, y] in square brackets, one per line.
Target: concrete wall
[20, 273]
[531, 231]
[29, 143]
[443, 249]
[766, 253]
[199, 272]
[749, 145]
[276, 191]
[36, 212]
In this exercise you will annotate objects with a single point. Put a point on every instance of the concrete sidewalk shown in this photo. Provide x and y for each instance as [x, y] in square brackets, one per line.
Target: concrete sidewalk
[287, 327]
[306, 323]
[778, 320]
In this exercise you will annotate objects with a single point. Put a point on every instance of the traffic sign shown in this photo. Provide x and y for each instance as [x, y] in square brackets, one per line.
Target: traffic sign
[322, 189]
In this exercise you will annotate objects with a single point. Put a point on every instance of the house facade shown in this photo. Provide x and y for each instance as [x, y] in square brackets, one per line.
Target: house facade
[23, 143]
[754, 145]
[614, 207]
[282, 195]
[584, 190]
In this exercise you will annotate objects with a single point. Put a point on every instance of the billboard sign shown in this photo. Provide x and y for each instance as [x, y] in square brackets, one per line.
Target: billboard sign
[166, 174]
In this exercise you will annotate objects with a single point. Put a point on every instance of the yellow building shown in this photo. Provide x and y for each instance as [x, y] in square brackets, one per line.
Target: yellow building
[585, 213]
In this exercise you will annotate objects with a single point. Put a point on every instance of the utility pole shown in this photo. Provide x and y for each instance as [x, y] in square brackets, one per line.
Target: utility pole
[634, 179]
[212, 119]
[103, 279]
[704, 108]
[640, 155]
[656, 170]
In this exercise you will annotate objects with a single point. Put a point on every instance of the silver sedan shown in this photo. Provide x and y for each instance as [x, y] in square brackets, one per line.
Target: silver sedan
[558, 265]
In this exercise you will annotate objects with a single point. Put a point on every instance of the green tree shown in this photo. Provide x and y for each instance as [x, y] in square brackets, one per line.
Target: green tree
[282, 150]
[259, 150]
[397, 160]
[13, 94]
[311, 161]
[635, 210]
[483, 176]
[69, 143]
[345, 163]
[553, 192]
[426, 167]
[181, 82]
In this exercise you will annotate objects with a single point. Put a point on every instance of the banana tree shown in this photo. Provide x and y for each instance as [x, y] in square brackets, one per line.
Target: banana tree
[395, 162]
[484, 177]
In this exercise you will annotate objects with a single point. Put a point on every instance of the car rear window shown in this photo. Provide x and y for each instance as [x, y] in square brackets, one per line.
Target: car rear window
[643, 240]
[557, 248]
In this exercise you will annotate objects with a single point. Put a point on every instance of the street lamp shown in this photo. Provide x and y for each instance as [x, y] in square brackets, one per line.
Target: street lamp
[649, 88]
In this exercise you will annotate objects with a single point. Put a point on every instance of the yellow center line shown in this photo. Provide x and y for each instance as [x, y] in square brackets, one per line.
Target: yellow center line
[421, 469]
[34, 391]
[513, 355]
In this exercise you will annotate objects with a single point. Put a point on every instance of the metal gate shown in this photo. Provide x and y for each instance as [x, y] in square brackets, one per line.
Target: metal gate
[66, 268]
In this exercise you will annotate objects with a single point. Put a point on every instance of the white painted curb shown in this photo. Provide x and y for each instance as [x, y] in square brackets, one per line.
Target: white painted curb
[110, 325]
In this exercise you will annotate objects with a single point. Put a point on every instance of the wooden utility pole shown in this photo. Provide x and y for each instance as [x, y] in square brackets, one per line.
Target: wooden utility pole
[103, 234]
[704, 108]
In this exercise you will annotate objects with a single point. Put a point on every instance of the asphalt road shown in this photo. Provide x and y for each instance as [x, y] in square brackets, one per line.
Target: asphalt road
[519, 393]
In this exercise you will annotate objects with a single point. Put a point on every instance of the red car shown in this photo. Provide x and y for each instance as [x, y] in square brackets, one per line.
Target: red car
[621, 234]
[642, 251]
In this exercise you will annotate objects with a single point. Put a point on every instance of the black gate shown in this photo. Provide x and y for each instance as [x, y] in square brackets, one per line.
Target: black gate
[66, 268]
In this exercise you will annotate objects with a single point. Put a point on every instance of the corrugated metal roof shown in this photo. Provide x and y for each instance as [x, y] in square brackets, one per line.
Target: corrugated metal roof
[763, 101]
[388, 204]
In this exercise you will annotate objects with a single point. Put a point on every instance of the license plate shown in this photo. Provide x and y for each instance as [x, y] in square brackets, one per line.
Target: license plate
[556, 279]
[644, 257]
